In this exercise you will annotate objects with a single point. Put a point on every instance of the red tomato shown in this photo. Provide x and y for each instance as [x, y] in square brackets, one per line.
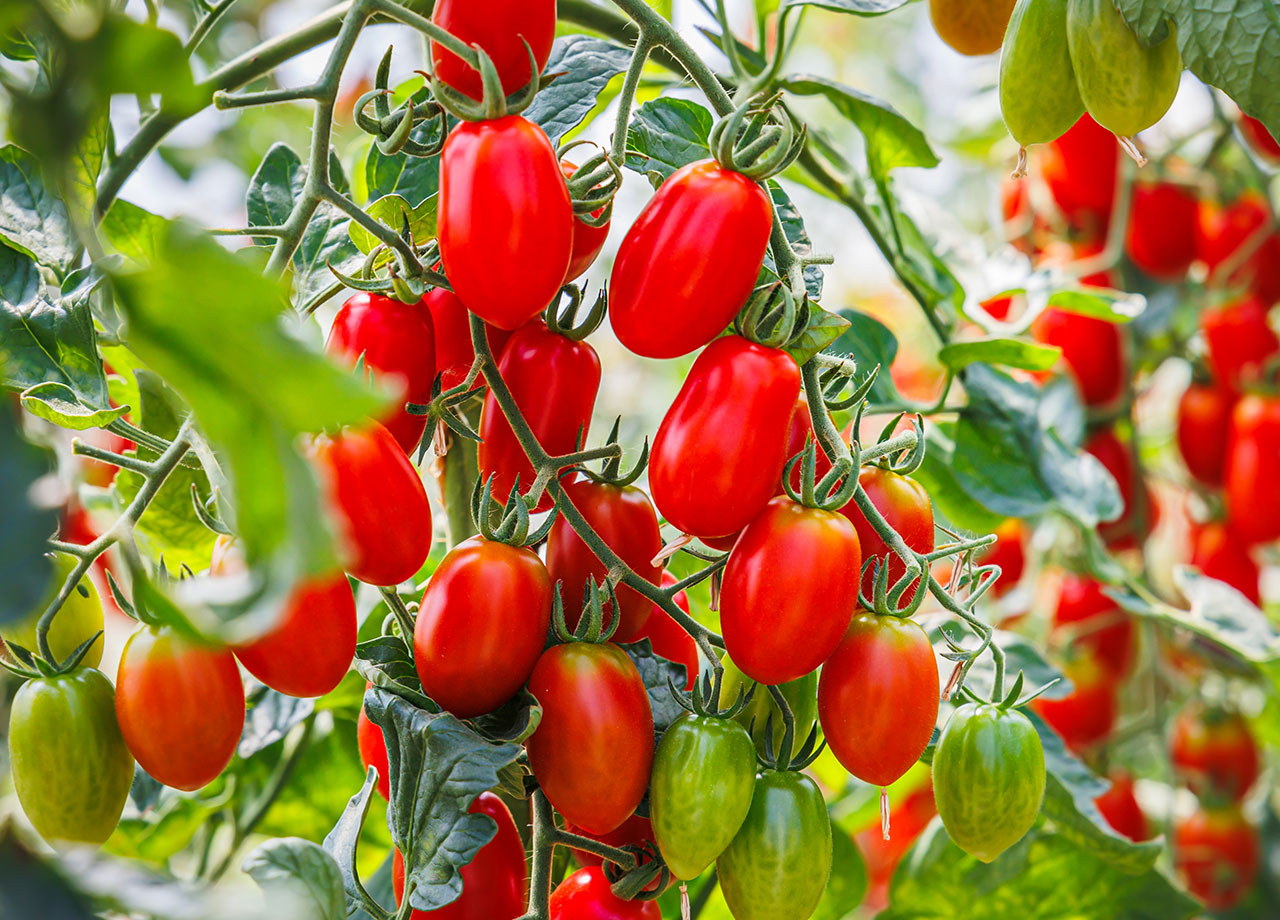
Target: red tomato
[587, 240]
[1204, 422]
[1009, 553]
[1259, 138]
[790, 590]
[907, 820]
[506, 222]
[1093, 350]
[99, 472]
[1121, 809]
[378, 501]
[800, 434]
[669, 639]
[586, 895]
[1219, 553]
[553, 380]
[1224, 230]
[180, 707]
[1240, 341]
[1101, 628]
[593, 750]
[373, 751]
[690, 261]
[501, 28]
[878, 697]
[1080, 169]
[1088, 714]
[905, 505]
[719, 453]
[1163, 221]
[624, 518]
[454, 354]
[1252, 484]
[1214, 753]
[494, 884]
[1217, 854]
[1115, 457]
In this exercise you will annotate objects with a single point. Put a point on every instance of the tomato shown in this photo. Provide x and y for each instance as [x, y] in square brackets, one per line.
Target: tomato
[1163, 221]
[74, 624]
[704, 773]
[98, 472]
[800, 434]
[482, 625]
[1219, 553]
[70, 766]
[500, 28]
[378, 501]
[1252, 484]
[1240, 339]
[1099, 627]
[720, 450]
[790, 589]
[905, 505]
[506, 221]
[801, 696]
[398, 344]
[1204, 422]
[1214, 753]
[623, 517]
[594, 747]
[454, 354]
[1080, 170]
[878, 697]
[1121, 809]
[494, 884]
[777, 866]
[1093, 350]
[1115, 457]
[587, 240]
[690, 260]
[669, 639]
[1008, 552]
[1088, 714]
[636, 831]
[553, 380]
[373, 751]
[1259, 138]
[1217, 853]
[1224, 231]
[180, 706]
[586, 895]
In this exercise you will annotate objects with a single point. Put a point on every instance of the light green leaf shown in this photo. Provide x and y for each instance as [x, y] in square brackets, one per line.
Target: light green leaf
[300, 880]
[870, 343]
[666, 134]
[393, 211]
[1030, 356]
[133, 231]
[57, 403]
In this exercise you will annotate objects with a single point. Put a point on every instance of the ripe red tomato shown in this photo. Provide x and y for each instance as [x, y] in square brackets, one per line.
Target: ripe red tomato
[506, 222]
[1080, 169]
[454, 353]
[1224, 230]
[1100, 627]
[1163, 222]
[494, 884]
[373, 750]
[553, 380]
[378, 502]
[180, 707]
[1121, 809]
[800, 434]
[689, 262]
[586, 895]
[624, 518]
[1219, 553]
[1214, 753]
[501, 28]
[1204, 422]
[1240, 341]
[1088, 714]
[587, 240]
[1259, 138]
[781, 617]
[1252, 484]
[878, 697]
[669, 639]
[906, 506]
[1114, 456]
[1009, 553]
[719, 453]
[593, 750]
[1217, 854]
[1093, 350]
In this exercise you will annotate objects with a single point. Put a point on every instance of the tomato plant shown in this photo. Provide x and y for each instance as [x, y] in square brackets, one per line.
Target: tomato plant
[669, 639]
[1204, 422]
[1087, 715]
[1215, 753]
[454, 353]
[586, 895]
[905, 504]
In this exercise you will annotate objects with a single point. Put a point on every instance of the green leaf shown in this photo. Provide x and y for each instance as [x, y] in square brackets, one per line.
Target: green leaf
[414, 178]
[937, 475]
[870, 343]
[25, 523]
[1030, 356]
[848, 884]
[270, 719]
[793, 226]
[57, 403]
[585, 66]
[1113, 306]
[857, 7]
[819, 333]
[343, 841]
[133, 231]
[393, 211]
[658, 674]
[33, 219]
[300, 880]
[666, 134]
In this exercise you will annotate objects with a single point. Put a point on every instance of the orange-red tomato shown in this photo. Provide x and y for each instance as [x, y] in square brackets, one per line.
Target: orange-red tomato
[1253, 469]
[1214, 753]
[586, 895]
[1218, 552]
[1224, 231]
[669, 639]
[1009, 553]
[1121, 809]
[1092, 349]
[1114, 455]
[1240, 339]
[1101, 628]
[1088, 714]
[454, 354]
[1259, 138]
[587, 240]
[905, 505]
[1204, 423]
[1217, 854]
[1163, 227]
[1080, 169]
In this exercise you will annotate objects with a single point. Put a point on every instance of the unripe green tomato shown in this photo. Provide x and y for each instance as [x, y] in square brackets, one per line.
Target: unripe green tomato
[703, 776]
[1038, 95]
[778, 865]
[78, 618]
[71, 768]
[988, 778]
[801, 695]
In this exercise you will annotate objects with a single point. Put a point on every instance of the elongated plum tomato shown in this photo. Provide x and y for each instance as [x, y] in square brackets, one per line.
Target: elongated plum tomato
[75, 623]
[1226, 230]
[1162, 238]
[1115, 457]
[454, 354]
[70, 766]
[593, 750]
[1253, 470]
[554, 381]
[624, 518]
[482, 625]
[790, 589]
[398, 344]
[587, 895]
[689, 262]
[1080, 169]
[878, 697]
[1217, 853]
[501, 28]
[669, 639]
[1098, 624]
[180, 706]
[1121, 809]
[1087, 714]
[378, 503]
[905, 505]
[587, 240]
[1240, 341]
[506, 222]
[494, 884]
[1217, 551]
[373, 750]
[1214, 753]
[1009, 553]
[720, 450]
[1259, 138]
[1092, 349]
[1204, 422]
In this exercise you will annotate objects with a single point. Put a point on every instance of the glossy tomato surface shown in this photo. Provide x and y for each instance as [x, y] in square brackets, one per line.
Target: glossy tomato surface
[1260, 139]
[1215, 754]
[690, 260]
[587, 895]
[1253, 469]
[905, 505]
[1217, 854]
[1240, 339]
[1204, 422]
[1217, 551]
[1092, 349]
[501, 28]
[452, 324]
[1163, 229]
[587, 240]
[1121, 809]
[1098, 626]
[1080, 169]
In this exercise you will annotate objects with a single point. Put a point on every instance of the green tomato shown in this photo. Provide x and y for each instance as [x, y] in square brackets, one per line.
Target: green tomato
[801, 695]
[777, 866]
[78, 619]
[70, 766]
[703, 776]
[988, 778]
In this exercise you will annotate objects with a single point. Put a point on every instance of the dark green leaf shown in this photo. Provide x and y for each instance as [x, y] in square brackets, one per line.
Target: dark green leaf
[343, 841]
[270, 719]
[414, 178]
[822, 329]
[658, 674]
[300, 880]
[25, 523]
[937, 475]
[585, 66]
[797, 236]
[870, 343]
[848, 884]
[666, 134]
[32, 218]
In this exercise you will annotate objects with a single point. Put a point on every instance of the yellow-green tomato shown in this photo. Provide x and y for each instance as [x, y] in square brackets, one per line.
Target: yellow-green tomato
[78, 618]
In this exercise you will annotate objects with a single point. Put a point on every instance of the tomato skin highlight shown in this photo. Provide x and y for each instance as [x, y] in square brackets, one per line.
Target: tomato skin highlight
[180, 706]
[1163, 227]
[1252, 484]
[1240, 341]
[454, 354]
[1121, 809]
[1109, 638]
[587, 240]
[1215, 754]
[69, 763]
[878, 697]
[625, 519]
[501, 28]
[1219, 553]
[554, 381]
[719, 453]
[586, 895]
[506, 221]
[74, 624]
[668, 638]
[1217, 854]
[1204, 424]
[1093, 349]
[373, 750]
[690, 260]
[593, 750]
[905, 504]
[482, 625]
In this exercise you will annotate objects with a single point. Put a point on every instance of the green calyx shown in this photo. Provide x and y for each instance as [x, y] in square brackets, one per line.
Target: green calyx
[563, 320]
[772, 317]
[611, 469]
[511, 524]
[705, 698]
[831, 492]
[591, 625]
[787, 758]
[759, 138]
[391, 129]
[593, 185]
[494, 102]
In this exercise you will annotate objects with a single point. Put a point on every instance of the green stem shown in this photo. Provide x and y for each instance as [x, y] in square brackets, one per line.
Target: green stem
[627, 98]
[544, 842]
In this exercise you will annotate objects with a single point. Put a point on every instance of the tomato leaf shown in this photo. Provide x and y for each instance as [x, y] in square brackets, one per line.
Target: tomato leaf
[585, 66]
[801, 245]
[57, 403]
[666, 134]
[848, 884]
[658, 674]
[132, 231]
[270, 719]
[1030, 356]
[822, 329]
[937, 474]
[299, 879]
[394, 211]
[871, 344]
[25, 522]
[33, 219]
